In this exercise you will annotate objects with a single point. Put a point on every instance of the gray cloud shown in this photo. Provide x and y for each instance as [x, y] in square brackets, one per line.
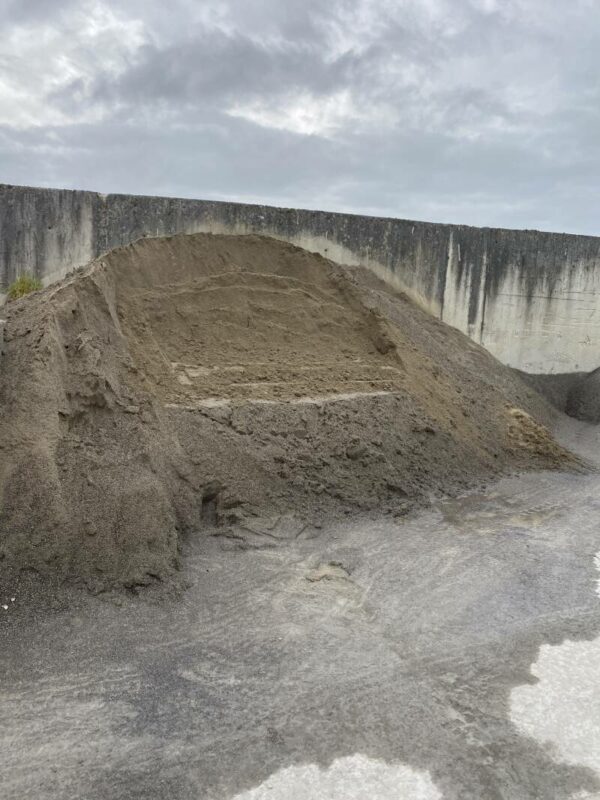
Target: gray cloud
[471, 111]
[24, 11]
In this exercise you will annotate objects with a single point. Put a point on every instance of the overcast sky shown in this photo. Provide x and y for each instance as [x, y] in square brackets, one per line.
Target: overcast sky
[484, 112]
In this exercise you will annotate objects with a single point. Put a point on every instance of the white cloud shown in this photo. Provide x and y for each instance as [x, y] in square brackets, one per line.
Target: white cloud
[40, 59]
[477, 111]
[309, 115]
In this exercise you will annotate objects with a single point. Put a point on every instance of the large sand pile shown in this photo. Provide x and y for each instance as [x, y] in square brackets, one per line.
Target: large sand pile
[237, 386]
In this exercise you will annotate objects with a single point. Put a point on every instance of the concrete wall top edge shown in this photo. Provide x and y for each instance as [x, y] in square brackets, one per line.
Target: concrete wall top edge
[449, 226]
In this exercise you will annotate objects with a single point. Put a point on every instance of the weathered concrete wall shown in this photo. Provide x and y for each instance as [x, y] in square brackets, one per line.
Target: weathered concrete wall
[531, 298]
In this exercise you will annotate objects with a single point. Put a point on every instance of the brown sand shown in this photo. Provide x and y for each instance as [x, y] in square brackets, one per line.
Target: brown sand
[236, 386]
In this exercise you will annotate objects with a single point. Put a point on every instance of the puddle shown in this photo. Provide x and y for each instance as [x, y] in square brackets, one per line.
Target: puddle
[352, 778]
[562, 709]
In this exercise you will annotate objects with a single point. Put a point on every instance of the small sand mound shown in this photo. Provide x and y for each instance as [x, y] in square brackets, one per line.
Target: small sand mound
[527, 434]
[236, 386]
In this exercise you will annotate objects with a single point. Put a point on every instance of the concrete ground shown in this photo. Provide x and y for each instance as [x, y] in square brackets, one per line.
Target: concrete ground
[452, 655]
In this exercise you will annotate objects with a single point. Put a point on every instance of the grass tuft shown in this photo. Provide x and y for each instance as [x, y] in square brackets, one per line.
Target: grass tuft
[25, 284]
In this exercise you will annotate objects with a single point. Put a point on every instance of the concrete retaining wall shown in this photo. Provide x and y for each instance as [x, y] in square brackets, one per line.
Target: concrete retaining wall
[531, 298]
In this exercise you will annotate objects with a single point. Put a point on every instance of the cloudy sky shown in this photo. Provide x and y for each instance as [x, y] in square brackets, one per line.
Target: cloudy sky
[484, 112]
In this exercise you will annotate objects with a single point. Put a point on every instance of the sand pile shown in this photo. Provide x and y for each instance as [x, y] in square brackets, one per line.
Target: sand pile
[575, 393]
[238, 387]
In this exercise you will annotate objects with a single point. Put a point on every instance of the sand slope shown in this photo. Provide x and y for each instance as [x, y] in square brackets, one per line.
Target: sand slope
[236, 386]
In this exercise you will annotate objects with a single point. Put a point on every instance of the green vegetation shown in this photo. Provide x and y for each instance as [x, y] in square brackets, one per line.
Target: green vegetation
[24, 284]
